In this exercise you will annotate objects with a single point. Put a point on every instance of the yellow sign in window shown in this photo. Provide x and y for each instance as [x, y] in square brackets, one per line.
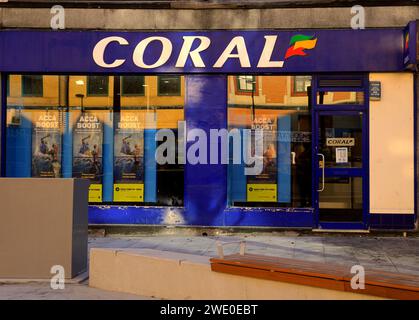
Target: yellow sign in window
[258, 192]
[128, 192]
[95, 192]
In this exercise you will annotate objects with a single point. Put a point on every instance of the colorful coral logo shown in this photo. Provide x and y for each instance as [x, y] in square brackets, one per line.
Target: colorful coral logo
[298, 44]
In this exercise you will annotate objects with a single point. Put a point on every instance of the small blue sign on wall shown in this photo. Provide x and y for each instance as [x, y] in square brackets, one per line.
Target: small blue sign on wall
[375, 90]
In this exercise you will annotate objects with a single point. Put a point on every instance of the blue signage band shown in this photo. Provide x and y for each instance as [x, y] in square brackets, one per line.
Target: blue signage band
[312, 50]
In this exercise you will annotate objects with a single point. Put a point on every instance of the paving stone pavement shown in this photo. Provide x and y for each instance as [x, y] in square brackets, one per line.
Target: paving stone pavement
[43, 291]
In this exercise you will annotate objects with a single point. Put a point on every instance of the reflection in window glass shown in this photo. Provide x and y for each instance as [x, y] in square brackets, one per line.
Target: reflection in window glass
[133, 85]
[341, 199]
[153, 111]
[340, 140]
[32, 85]
[246, 83]
[285, 180]
[81, 126]
[34, 127]
[169, 85]
[301, 83]
[97, 85]
[340, 97]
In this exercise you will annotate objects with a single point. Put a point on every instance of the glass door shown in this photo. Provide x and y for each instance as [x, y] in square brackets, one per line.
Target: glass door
[340, 156]
[340, 166]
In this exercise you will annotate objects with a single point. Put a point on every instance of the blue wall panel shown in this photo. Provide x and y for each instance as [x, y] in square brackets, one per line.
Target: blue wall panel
[205, 184]
[265, 217]
[135, 215]
[392, 221]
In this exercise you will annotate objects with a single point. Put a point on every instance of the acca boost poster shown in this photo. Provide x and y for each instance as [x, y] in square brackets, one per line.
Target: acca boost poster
[263, 187]
[87, 152]
[46, 144]
[129, 159]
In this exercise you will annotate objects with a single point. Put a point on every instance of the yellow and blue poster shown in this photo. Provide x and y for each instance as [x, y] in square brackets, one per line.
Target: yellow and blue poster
[87, 152]
[46, 144]
[263, 187]
[129, 158]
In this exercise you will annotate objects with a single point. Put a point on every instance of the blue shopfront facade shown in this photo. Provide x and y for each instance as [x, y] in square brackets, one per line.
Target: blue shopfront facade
[336, 60]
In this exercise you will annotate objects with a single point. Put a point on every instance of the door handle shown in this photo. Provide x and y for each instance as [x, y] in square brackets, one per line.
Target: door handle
[292, 157]
[324, 164]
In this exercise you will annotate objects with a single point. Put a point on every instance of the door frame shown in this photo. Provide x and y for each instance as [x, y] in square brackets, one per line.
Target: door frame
[318, 110]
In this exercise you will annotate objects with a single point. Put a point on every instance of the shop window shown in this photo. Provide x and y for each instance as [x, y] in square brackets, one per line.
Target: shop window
[246, 83]
[132, 85]
[97, 85]
[169, 85]
[120, 130]
[32, 85]
[282, 155]
[159, 112]
[300, 84]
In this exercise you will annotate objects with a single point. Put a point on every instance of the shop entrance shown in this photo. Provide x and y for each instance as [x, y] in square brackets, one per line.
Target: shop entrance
[340, 153]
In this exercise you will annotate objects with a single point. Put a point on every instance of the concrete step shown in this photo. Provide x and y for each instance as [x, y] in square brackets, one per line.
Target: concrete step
[172, 275]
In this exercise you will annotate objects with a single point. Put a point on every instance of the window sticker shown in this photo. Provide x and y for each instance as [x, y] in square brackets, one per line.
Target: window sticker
[342, 155]
[46, 144]
[339, 142]
[129, 158]
[87, 152]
